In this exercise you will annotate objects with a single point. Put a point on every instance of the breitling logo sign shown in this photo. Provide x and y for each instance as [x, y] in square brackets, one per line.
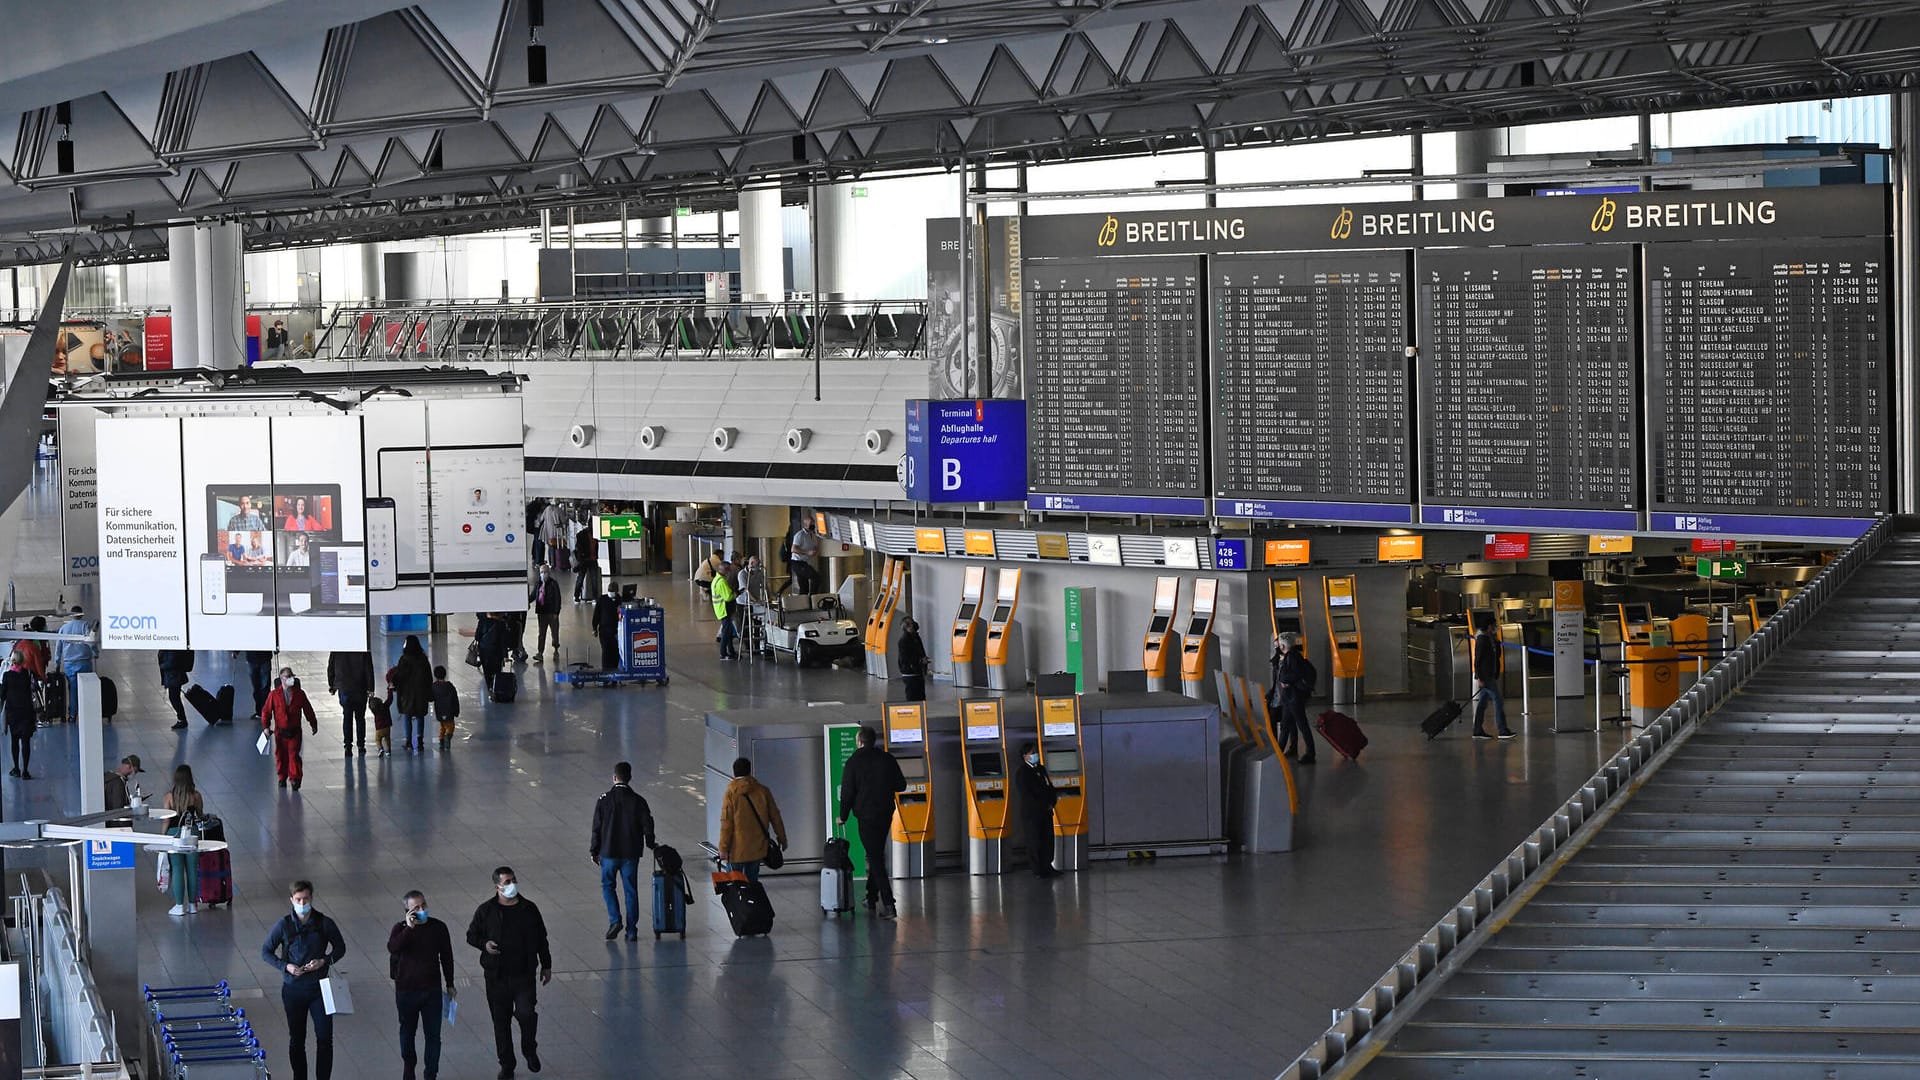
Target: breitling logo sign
[1109, 232]
[1603, 215]
[1342, 225]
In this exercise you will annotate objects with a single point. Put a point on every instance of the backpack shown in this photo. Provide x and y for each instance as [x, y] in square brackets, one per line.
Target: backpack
[666, 860]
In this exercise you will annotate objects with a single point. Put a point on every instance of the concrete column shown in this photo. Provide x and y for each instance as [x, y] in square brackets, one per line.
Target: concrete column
[306, 265]
[219, 301]
[370, 274]
[655, 232]
[184, 295]
[835, 225]
[762, 246]
[1472, 151]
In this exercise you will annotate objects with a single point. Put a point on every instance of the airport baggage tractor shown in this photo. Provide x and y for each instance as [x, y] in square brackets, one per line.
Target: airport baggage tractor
[1343, 734]
[836, 878]
[213, 708]
[504, 687]
[216, 877]
[748, 908]
[1441, 718]
[671, 893]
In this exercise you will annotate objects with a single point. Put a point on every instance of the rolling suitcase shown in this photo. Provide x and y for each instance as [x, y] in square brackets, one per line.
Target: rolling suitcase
[1342, 734]
[207, 705]
[836, 878]
[216, 877]
[504, 687]
[225, 700]
[1439, 719]
[671, 893]
[748, 908]
[109, 698]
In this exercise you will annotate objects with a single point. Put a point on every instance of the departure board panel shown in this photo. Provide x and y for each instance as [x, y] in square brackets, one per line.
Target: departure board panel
[1767, 370]
[1528, 383]
[1115, 395]
[1311, 397]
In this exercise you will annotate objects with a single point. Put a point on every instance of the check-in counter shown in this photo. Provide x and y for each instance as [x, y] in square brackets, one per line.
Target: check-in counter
[1150, 762]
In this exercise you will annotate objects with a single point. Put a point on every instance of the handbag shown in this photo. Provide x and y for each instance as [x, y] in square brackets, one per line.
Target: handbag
[774, 860]
[163, 878]
[336, 994]
[473, 654]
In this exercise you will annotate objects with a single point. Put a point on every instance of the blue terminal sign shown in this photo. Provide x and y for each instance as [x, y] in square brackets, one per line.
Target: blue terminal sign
[966, 451]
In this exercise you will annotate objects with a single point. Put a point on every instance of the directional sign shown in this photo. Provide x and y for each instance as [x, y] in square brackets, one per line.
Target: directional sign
[966, 451]
[107, 855]
[1721, 569]
[619, 527]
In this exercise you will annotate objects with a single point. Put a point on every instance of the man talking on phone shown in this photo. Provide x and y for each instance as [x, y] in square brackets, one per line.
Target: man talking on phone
[421, 952]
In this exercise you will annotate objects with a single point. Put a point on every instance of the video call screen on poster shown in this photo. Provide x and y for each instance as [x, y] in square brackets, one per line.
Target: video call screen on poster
[266, 533]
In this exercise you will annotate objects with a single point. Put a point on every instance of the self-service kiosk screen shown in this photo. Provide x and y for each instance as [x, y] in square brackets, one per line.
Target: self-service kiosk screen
[904, 735]
[913, 768]
[1340, 600]
[1766, 607]
[1063, 762]
[1002, 612]
[984, 765]
[1638, 614]
[1343, 624]
[1197, 628]
[967, 612]
[1159, 624]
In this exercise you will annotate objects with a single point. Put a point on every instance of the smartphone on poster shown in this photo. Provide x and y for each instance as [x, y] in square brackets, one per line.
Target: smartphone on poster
[213, 585]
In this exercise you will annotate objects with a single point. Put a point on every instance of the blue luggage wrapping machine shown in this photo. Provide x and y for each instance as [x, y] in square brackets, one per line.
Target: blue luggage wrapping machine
[643, 650]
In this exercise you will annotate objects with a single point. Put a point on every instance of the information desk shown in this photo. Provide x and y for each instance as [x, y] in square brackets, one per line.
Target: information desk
[1310, 387]
[1151, 763]
[1767, 381]
[1116, 396]
[1528, 382]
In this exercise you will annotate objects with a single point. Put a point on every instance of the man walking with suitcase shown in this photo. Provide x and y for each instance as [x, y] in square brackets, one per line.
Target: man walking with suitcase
[1294, 679]
[622, 831]
[868, 783]
[1486, 684]
[512, 939]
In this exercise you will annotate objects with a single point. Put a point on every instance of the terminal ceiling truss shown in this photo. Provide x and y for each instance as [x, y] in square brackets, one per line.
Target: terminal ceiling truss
[419, 120]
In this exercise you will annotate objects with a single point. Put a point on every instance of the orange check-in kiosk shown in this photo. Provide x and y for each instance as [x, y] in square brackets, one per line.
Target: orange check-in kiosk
[1343, 632]
[1006, 645]
[906, 740]
[1283, 597]
[1158, 649]
[969, 641]
[983, 752]
[879, 636]
[1060, 752]
[1199, 648]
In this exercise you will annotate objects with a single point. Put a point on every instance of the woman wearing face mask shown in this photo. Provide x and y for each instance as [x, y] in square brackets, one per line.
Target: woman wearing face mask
[302, 947]
[1037, 796]
[286, 706]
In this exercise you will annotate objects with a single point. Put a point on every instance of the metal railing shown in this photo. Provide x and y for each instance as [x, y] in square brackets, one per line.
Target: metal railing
[1363, 1029]
[624, 329]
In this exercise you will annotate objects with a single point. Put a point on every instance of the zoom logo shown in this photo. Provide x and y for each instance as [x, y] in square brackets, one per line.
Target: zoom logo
[1603, 218]
[1342, 225]
[132, 622]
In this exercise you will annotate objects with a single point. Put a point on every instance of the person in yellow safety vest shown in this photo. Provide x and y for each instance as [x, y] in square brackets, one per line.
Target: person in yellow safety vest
[722, 589]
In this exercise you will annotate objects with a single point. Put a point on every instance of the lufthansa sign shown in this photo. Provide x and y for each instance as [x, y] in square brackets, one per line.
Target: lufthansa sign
[1734, 214]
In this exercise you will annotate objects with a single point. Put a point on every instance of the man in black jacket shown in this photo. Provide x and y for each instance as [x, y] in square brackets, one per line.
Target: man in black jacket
[175, 666]
[622, 831]
[1486, 680]
[1294, 679]
[867, 786]
[545, 598]
[1037, 796]
[512, 939]
[606, 626]
[586, 565]
[913, 661]
[421, 952]
[350, 678]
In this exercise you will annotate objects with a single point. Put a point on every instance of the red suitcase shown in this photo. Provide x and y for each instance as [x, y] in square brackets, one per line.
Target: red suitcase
[216, 877]
[1343, 734]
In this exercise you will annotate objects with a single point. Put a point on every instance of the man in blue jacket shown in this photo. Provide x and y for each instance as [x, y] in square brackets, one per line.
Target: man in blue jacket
[303, 946]
[76, 655]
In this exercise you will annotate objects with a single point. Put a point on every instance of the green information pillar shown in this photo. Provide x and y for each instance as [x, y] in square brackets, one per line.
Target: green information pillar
[841, 741]
[1083, 647]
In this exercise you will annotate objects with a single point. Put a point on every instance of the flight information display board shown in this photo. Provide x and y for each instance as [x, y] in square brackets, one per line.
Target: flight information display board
[1116, 396]
[1767, 368]
[1529, 388]
[1311, 397]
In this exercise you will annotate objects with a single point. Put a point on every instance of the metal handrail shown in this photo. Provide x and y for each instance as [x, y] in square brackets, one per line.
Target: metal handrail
[1362, 1030]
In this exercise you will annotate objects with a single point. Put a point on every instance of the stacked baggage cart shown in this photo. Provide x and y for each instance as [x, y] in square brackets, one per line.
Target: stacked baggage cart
[197, 1033]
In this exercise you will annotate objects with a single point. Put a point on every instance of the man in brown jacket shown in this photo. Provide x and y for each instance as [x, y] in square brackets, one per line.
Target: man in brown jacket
[749, 821]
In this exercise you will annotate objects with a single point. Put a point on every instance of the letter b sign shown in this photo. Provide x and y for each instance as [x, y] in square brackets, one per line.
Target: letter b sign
[949, 474]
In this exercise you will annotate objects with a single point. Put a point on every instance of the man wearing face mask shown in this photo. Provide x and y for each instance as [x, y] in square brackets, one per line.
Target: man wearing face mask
[512, 939]
[286, 706]
[422, 962]
[302, 947]
[1037, 796]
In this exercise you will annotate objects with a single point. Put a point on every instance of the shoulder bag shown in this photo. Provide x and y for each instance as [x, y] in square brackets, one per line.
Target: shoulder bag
[774, 859]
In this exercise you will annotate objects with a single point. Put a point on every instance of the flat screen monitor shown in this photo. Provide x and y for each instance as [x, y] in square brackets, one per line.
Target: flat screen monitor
[1063, 762]
[1199, 627]
[1343, 624]
[1002, 612]
[967, 612]
[1637, 614]
[1159, 624]
[1339, 599]
[1766, 606]
[913, 768]
[984, 766]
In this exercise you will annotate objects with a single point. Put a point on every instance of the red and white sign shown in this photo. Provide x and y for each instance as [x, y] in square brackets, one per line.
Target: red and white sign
[1508, 545]
[159, 342]
[1712, 547]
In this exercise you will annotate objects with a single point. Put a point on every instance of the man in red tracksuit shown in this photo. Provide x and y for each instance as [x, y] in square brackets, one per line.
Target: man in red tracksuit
[286, 706]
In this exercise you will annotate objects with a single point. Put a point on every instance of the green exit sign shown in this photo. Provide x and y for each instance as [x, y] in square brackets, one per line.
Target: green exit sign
[683, 211]
[1721, 569]
[859, 192]
[619, 527]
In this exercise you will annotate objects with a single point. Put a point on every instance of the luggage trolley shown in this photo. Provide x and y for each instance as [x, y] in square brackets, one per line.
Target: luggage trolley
[196, 1033]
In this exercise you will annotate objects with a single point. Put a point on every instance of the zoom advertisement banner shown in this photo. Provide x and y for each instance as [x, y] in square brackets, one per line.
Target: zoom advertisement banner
[233, 533]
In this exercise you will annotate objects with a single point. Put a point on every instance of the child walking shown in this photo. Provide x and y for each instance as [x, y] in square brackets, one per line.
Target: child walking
[383, 717]
[446, 706]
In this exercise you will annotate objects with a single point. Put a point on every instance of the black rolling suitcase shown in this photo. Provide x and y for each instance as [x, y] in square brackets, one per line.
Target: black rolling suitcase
[504, 687]
[748, 908]
[214, 709]
[109, 698]
[671, 893]
[1441, 718]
